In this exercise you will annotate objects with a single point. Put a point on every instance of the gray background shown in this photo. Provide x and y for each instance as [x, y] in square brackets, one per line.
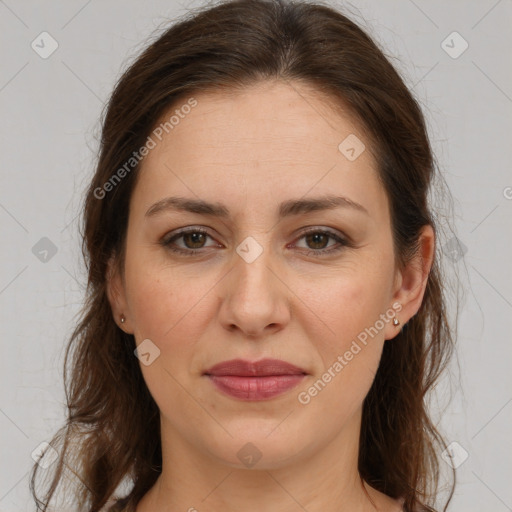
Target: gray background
[50, 112]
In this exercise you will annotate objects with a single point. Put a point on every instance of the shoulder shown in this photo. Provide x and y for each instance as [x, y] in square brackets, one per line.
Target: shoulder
[386, 503]
[115, 505]
[110, 503]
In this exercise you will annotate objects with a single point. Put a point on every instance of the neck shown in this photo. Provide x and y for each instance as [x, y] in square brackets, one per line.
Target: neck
[193, 479]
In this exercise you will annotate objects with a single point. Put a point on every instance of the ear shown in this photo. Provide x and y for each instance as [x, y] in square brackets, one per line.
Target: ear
[411, 281]
[116, 296]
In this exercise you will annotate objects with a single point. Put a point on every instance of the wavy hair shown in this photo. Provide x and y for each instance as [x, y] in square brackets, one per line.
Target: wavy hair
[112, 433]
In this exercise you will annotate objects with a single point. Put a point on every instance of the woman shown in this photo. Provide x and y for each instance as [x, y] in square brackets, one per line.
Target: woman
[265, 310]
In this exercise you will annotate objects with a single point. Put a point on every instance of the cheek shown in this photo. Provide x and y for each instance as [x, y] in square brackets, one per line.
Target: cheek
[345, 303]
[166, 304]
[170, 309]
[348, 332]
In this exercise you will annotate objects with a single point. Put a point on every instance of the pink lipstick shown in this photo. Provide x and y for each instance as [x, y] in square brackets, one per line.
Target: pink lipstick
[260, 380]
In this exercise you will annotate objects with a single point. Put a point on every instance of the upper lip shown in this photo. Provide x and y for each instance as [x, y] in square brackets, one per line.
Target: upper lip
[262, 368]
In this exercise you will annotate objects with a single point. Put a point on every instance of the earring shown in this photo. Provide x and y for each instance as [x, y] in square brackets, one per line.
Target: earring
[122, 319]
[396, 322]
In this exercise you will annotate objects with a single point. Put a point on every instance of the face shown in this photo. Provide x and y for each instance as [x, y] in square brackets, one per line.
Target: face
[262, 277]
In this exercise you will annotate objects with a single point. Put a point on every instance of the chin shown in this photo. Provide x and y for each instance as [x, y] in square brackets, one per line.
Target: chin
[257, 445]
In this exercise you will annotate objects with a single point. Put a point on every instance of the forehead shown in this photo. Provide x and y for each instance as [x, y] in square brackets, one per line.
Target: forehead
[287, 110]
[272, 136]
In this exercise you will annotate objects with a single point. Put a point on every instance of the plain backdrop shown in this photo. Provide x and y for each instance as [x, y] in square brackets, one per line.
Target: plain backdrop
[50, 110]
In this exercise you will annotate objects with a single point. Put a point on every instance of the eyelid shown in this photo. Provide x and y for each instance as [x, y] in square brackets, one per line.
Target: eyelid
[166, 240]
[320, 229]
[342, 240]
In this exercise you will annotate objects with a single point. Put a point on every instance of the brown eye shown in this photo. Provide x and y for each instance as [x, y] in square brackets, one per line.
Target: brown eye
[317, 240]
[193, 241]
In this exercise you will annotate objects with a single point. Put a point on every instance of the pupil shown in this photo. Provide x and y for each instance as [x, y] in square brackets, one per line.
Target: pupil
[316, 238]
[196, 237]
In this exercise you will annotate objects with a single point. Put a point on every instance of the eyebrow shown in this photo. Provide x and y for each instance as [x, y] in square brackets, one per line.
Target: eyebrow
[286, 208]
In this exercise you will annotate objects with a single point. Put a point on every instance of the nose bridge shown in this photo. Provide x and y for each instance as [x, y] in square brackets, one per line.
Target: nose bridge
[253, 298]
[253, 277]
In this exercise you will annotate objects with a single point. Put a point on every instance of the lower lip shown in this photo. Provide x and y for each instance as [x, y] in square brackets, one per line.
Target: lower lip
[255, 388]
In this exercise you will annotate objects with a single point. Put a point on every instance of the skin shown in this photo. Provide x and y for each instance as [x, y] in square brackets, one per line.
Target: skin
[251, 151]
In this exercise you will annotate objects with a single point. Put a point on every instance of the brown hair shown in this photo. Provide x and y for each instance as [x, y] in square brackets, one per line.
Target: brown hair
[112, 433]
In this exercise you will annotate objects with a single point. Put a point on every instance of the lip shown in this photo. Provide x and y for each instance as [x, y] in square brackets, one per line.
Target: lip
[263, 368]
[259, 380]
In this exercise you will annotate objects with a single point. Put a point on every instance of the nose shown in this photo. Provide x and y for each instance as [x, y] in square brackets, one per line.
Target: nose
[255, 300]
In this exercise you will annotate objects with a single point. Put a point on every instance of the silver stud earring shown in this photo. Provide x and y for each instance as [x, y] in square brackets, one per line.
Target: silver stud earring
[396, 322]
[122, 319]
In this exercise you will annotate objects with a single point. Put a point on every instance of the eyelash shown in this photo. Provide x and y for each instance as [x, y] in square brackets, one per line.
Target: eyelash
[166, 242]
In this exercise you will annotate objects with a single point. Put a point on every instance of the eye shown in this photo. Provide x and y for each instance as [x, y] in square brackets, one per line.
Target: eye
[317, 240]
[192, 238]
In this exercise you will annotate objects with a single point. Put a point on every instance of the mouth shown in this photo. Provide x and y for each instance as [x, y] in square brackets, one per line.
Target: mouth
[250, 381]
